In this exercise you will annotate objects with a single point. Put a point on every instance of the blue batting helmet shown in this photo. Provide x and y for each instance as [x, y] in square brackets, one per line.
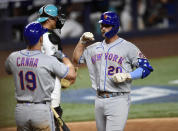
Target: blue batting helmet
[33, 32]
[47, 11]
[110, 18]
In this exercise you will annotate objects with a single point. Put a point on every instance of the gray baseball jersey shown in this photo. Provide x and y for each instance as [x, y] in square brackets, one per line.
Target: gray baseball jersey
[104, 60]
[34, 74]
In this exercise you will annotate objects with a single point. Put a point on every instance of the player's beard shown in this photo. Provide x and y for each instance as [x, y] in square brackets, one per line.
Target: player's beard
[104, 32]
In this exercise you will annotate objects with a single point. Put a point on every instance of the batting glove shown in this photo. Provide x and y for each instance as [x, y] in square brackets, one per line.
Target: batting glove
[86, 37]
[59, 55]
[121, 77]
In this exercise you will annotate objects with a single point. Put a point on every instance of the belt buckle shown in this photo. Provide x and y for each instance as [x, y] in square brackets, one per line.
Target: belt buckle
[104, 94]
[114, 94]
[107, 95]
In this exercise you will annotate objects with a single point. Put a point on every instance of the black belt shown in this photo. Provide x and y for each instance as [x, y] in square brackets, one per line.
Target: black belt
[105, 94]
[29, 102]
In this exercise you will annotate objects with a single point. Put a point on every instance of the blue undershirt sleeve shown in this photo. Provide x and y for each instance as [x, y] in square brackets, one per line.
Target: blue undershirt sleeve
[137, 73]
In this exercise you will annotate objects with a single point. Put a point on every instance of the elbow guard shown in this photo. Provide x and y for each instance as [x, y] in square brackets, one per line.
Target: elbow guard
[145, 65]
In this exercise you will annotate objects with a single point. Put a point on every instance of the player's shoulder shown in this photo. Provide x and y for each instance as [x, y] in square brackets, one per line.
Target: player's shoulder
[128, 43]
[47, 61]
[49, 58]
[94, 45]
[14, 53]
[124, 41]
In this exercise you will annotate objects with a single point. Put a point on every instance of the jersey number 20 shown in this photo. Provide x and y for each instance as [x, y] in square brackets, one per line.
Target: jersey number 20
[112, 70]
[30, 79]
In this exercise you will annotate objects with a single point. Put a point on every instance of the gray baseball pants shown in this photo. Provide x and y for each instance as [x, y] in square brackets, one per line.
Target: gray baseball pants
[34, 117]
[111, 113]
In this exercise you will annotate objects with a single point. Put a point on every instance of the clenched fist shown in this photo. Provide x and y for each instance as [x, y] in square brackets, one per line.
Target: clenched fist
[121, 77]
[86, 37]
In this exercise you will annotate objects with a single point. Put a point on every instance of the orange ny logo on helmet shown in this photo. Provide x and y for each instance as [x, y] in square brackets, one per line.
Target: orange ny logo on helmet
[105, 16]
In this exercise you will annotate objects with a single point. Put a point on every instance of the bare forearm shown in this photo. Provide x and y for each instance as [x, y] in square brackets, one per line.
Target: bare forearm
[71, 74]
[78, 51]
[67, 62]
[84, 40]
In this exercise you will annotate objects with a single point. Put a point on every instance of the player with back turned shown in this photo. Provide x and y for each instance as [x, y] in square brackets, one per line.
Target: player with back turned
[111, 64]
[34, 76]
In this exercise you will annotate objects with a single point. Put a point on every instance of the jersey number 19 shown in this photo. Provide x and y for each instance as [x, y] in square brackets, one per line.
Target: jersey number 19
[29, 78]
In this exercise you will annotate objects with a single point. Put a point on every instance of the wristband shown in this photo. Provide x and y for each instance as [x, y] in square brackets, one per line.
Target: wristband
[137, 73]
[59, 54]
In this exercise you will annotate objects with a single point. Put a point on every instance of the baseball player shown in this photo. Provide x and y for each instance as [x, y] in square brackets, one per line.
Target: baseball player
[50, 18]
[112, 64]
[34, 75]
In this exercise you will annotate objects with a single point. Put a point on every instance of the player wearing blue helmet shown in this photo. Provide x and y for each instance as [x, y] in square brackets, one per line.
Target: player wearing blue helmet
[34, 76]
[111, 19]
[111, 64]
[33, 32]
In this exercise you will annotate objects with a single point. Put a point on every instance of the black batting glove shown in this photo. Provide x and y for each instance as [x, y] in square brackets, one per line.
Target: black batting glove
[59, 110]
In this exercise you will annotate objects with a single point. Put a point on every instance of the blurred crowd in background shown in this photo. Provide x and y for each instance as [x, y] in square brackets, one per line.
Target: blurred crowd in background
[83, 15]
